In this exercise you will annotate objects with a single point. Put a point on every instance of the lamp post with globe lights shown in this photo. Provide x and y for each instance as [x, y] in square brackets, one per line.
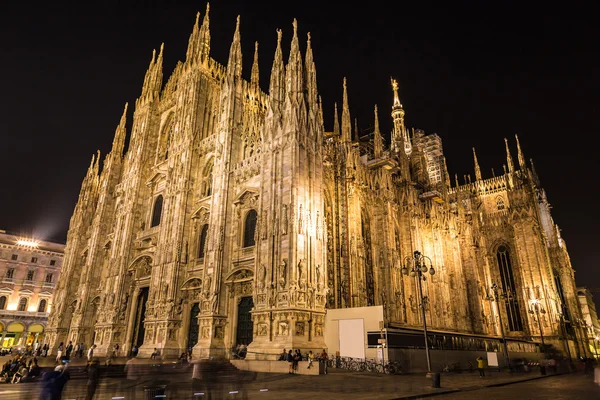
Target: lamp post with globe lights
[417, 266]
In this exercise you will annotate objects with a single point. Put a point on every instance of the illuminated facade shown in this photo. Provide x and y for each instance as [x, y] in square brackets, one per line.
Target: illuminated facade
[235, 217]
[590, 322]
[29, 270]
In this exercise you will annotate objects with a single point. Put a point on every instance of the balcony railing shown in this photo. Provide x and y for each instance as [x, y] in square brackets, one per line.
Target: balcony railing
[15, 314]
[27, 282]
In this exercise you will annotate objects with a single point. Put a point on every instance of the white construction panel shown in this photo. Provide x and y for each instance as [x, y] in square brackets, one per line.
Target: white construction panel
[352, 338]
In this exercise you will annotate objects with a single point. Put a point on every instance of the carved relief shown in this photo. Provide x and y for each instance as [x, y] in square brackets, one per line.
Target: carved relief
[282, 273]
[299, 329]
[283, 328]
[262, 330]
[302, 274]
[262, 276]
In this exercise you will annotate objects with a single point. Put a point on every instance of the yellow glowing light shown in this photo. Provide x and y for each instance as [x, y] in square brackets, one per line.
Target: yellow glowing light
[28, 243]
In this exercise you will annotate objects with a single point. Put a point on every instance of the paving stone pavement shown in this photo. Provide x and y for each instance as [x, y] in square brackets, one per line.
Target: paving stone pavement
[337, 384]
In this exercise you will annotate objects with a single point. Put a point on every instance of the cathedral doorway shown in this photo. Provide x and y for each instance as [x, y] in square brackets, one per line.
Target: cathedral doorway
[194, 326]
[138, 328]
[244, 321]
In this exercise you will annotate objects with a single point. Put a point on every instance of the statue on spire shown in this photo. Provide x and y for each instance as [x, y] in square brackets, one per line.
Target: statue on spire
[396, 96]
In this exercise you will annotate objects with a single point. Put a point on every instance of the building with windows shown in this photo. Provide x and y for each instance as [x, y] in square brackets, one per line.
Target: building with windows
[29, 270]
[235, 217]
[590, 322]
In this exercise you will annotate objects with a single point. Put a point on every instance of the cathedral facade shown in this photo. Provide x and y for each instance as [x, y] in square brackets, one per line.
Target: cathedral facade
[235, 217]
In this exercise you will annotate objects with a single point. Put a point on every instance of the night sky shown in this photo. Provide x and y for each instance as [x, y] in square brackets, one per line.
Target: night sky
[472, 75]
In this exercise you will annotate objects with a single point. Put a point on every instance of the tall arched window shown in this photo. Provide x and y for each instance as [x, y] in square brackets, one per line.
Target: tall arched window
[23, 304]
[202, 241]
[207, 178]
[500, 203]
[250, 228]
[2, 302]
[42, 306]
[515, 323]
[157, 211]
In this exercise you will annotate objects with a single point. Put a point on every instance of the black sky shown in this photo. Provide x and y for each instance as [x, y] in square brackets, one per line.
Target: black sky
[473, 74]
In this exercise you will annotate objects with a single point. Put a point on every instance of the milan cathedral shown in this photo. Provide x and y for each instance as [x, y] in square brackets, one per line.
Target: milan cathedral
[234, 217]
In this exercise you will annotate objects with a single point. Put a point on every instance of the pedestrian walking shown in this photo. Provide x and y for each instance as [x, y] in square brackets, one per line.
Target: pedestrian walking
[93, 375]
[480, 367]
[90, 353]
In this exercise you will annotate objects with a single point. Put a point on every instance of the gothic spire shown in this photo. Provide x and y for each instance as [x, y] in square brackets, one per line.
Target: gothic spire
[121, 132]
[277, 83]
[336, 121]
[204, 37]
[234, 63]
[521, 157]
[400, 134]
[311, 74]
[509, 160]
[294, 74]
[254, 75]
[193, 41]
[377, 139]
[534, 173]
[346, 124]
[153, 78]
[355, 134]
[477, 169]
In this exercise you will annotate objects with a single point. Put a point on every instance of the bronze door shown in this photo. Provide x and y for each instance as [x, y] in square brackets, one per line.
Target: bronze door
[244, 325]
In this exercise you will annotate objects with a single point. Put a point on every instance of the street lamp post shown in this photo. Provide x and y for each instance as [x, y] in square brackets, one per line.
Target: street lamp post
[496, 297]
[416, 266]
[537, 308]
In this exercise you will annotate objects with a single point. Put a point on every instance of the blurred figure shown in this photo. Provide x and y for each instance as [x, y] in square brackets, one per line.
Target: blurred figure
[480, 367]
[53, 383]
[90, 353]
[93, 375]
[59, 352]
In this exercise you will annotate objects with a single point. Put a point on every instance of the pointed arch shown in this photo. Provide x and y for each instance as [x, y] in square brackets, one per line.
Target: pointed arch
[500, 203]
[202, 240]
[165, 138]
[157, 211]
[509, 286]
[250, 222]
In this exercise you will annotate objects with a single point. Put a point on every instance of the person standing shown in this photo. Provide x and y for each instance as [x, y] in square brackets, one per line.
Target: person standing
[59, 352]
[69, 349]
[90, 353]
[93, 375]
[290, 359]
[480, 367]
[324, 358]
